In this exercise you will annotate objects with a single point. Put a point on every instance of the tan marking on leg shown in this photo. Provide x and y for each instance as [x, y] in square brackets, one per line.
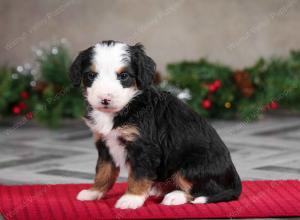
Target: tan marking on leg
[106, 175]
[128, 132]
[182, 183]
[138, 186]
[165, 187]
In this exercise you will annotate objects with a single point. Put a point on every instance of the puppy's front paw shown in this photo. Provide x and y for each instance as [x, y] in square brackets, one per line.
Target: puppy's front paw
[130, 201]
[176, 197]
[88, 194]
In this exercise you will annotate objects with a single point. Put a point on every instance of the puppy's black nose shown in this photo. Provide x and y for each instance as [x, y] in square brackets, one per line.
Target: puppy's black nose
[105, 101]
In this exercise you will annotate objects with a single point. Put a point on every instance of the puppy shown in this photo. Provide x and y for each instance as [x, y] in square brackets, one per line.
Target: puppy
[152, 134]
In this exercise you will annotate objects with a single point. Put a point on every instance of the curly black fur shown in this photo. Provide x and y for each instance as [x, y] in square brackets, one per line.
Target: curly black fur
[175, 138]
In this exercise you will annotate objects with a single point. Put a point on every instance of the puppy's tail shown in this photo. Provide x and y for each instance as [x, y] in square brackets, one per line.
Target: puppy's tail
[229, 194]
[223, 196]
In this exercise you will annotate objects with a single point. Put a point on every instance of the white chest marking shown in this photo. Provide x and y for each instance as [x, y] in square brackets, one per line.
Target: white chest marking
[103, 122]
[116, 150]
[103, 125]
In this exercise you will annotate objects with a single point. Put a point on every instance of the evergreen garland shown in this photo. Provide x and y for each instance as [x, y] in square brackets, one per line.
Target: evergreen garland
[57, 98]
[245, 94]
[42, 91]
[50, 97]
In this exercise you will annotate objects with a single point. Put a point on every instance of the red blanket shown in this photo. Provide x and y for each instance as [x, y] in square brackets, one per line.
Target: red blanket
[258, 199]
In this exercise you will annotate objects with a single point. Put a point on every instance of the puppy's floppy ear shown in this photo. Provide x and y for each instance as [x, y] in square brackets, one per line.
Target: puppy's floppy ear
[143, 66]
[82, 61]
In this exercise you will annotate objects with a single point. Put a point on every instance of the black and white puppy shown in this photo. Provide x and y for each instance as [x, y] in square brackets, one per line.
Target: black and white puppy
[152, 134]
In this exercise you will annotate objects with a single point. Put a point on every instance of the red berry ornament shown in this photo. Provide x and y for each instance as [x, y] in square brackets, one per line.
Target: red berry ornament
[217, 83]
[24, 95]
[212, 88]
[206, 104]
[29, 115]
[16, 110]
[22, 105]
[274, 105]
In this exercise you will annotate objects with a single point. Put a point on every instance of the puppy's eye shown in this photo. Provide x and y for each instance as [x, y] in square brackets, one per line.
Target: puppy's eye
[123, 76]
[91, 75]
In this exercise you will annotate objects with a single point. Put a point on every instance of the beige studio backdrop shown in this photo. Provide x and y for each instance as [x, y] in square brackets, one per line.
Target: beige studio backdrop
[234, 32]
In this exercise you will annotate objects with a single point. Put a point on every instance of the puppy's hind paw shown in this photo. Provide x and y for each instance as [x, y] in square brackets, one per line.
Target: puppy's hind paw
[200, 200]
[129, 201]
[88, 195]
[176, 197]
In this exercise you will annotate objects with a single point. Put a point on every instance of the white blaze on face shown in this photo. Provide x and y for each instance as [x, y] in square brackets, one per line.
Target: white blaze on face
[106, 61]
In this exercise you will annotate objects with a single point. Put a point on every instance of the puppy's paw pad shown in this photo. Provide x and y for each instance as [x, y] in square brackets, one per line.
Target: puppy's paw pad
[88, 194]
[200, 200]
[129, 201]
[176, 197]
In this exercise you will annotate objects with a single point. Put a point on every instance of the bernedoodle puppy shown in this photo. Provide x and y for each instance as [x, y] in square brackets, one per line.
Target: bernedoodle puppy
[150, 133]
